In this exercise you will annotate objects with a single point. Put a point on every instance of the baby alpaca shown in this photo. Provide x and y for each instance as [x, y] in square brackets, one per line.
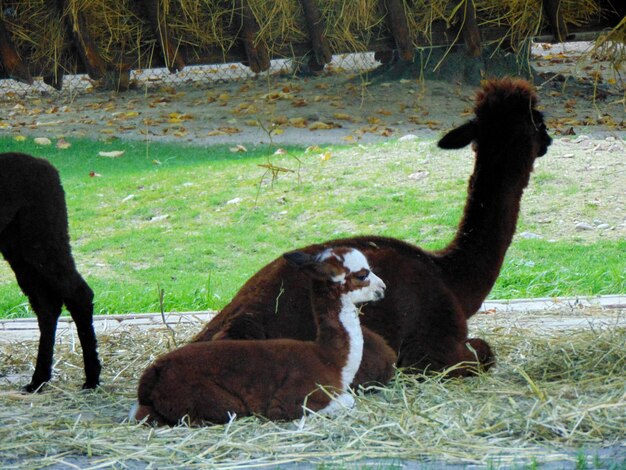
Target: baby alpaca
[34, 240]
[211, 381]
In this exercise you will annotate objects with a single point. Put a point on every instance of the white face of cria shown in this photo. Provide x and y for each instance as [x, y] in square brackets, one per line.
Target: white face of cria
[361, 284]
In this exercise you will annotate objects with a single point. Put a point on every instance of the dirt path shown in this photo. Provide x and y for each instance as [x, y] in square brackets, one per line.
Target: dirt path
[579, 96]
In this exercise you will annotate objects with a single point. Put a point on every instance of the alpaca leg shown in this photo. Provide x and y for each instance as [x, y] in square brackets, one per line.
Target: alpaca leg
[47, 306]
[484, 354]
[52, 277]
[140, 412]
[164, 396]
[458, 358]
[473, 356]
[56, 267]
[80, 306]
[344, 401]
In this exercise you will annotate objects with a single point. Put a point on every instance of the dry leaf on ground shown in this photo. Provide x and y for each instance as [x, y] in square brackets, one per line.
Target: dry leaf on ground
[112, 153]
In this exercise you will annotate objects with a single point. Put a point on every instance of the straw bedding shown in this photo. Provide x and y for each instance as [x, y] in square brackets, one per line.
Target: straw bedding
[551, 391]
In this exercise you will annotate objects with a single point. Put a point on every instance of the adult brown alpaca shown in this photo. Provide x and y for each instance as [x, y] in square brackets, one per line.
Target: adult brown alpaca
[34, 240]
[431, 294]
[213, 381]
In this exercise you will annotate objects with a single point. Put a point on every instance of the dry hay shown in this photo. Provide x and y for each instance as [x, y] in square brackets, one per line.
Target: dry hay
[579, 12]
[117, 29]
[281, 23]
[421, 14]
[122, 33]
[550, 392]
[37, 33]
[349, 26]
[352, 26]
[523, 19]
[200, 24]
[612, 45]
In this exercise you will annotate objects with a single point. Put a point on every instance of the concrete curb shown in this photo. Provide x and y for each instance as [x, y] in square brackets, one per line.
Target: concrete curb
[554, 303]
[27, 329]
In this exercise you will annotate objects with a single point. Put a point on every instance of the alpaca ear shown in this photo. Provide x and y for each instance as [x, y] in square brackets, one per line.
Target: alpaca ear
[459, 137]
[298, 259]
[309, 265]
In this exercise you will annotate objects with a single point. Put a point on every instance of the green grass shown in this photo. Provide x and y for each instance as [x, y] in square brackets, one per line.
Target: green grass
[535, 268]
[159, 217]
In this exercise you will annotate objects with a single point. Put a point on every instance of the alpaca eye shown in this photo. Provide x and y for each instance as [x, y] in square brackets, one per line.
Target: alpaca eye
[362, 276]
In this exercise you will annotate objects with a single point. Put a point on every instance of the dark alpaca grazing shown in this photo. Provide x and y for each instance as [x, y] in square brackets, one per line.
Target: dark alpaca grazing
[34, 240]
[431, 294]
[210, 382]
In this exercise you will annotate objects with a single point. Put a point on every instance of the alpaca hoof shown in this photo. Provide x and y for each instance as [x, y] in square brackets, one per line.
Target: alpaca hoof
[92, 376]
[34, 387]
[484, 354]
[91, 384]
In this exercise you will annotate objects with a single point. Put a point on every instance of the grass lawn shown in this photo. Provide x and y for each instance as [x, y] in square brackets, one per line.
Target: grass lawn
[198, 221]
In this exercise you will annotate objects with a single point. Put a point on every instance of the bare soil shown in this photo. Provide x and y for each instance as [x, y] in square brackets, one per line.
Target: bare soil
[581, 94]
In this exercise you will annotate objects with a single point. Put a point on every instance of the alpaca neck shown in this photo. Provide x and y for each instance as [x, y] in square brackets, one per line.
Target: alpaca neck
[339, 335]
[349, 318]
[471, 263]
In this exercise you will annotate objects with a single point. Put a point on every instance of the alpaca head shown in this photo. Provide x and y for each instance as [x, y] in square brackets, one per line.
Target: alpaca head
[345, 268]
[506, 118]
